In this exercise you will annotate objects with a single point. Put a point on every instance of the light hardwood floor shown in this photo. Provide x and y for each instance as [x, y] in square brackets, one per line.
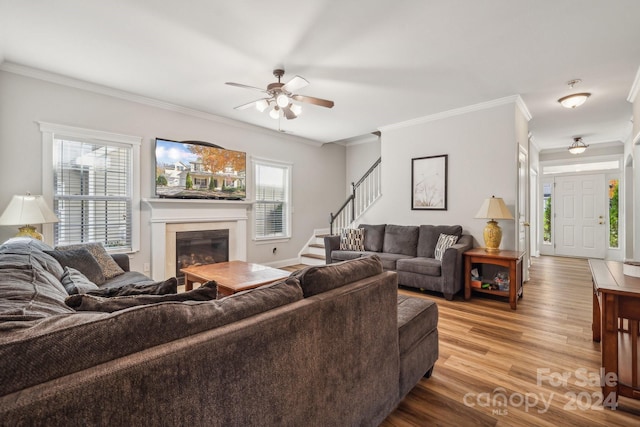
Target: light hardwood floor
[488, 350]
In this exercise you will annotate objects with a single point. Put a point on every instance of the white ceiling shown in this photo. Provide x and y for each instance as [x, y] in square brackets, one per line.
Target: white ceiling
[382, 62]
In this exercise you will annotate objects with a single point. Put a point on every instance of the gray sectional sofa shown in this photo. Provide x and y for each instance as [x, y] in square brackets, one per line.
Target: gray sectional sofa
[410, 251]
[329, 346]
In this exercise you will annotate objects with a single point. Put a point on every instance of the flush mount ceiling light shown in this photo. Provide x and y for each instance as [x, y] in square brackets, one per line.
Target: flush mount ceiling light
[576, 99]
[578, 147]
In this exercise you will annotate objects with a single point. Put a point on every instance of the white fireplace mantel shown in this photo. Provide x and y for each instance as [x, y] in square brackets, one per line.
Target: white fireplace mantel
[169, 216]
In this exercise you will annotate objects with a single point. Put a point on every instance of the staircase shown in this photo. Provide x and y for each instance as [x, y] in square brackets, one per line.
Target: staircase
[313, 252]
[363, 194]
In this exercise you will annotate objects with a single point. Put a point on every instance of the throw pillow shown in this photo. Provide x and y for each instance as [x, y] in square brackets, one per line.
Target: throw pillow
[169, 286]
[109, 267]
[81, 260]
[86, 302]
[352, 239]
[76, 283]
[445, 241]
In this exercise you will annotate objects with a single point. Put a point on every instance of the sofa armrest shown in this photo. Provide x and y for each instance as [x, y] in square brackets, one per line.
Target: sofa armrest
[122, 260]
[452, 264]
[331, 243]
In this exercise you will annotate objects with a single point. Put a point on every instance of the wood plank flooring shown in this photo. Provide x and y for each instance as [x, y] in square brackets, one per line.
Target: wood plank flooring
[488, 350]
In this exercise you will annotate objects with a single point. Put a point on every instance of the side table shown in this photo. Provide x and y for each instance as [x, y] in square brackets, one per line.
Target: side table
[511, 260]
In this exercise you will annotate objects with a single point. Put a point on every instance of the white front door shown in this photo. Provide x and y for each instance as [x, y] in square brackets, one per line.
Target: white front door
[523, 217]
[580, 214]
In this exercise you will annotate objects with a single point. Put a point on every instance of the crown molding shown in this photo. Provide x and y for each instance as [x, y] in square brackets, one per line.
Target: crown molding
[60, 79]
[357, 140]
[513, 99]
[635, 88]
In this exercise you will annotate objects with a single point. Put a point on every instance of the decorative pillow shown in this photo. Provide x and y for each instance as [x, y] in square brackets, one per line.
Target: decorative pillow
[444, 241]
[352, 239]
[81, 260]
[169, 286]
[109, 267]
[76, 283]
[86, 302]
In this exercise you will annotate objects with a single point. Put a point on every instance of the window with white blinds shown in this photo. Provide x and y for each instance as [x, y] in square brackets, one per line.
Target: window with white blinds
[272, 193]
[92, 193]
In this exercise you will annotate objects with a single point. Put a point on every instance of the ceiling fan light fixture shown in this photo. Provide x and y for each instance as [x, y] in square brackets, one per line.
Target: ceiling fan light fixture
[296, 109]
[262, 105]
[282, 100]
[275, 112]
[578, 146]
[574, 100]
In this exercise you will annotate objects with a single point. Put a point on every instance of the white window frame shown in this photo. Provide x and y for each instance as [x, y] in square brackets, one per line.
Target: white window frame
[257, 161]
[51, 131]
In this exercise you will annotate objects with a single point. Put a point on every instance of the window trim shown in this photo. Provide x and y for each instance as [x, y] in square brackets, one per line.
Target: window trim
[51, 131]
[255, 161]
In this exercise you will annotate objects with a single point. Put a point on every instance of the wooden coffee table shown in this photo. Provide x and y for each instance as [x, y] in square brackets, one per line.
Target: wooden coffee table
[232, 276]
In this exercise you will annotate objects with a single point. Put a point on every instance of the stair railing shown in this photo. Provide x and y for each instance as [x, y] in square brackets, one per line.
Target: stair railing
[363, 193]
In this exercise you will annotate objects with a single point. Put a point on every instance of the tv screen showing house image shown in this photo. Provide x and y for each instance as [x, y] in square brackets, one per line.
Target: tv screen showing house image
[198, 170]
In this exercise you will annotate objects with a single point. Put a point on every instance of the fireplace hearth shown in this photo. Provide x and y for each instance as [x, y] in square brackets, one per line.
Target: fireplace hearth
[201, 247]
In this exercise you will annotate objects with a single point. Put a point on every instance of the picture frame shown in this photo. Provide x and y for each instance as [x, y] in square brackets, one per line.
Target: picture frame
[429, 183]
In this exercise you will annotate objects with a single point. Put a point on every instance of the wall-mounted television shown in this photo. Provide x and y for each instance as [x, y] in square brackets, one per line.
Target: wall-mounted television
[199, 170]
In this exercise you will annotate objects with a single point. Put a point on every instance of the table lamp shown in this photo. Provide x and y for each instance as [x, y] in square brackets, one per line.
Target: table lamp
[492, 209]
[26, 210]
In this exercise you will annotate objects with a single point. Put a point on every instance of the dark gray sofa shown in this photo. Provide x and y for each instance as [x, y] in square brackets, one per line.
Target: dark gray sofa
[409, 250]
[330, 346]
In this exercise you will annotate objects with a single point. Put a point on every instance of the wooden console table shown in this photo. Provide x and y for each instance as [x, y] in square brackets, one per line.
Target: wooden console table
[616, 318]
[508, 259]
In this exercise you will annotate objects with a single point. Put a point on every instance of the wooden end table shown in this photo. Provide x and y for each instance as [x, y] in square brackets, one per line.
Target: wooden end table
[232, 276]
[508, 259]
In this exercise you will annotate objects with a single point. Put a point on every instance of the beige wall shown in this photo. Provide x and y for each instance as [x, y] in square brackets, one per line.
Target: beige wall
[482, 150]
[318, 171]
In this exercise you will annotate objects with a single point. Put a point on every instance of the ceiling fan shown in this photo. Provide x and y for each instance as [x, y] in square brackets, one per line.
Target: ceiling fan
[280, 97]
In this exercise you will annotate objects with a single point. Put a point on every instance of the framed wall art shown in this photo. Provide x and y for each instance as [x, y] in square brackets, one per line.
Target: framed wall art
[429, 183]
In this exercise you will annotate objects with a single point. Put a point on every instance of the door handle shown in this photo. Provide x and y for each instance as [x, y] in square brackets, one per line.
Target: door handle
[526, 224]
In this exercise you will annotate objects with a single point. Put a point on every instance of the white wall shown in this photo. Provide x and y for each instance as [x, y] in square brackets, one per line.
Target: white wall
[318, 172]
[482, 149]
[360, 157]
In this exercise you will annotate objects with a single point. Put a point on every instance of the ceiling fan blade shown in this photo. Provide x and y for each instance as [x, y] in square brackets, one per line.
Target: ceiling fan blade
[317, 101]
[245, 86]
[290, 115]
[247, 105]
[294, 84]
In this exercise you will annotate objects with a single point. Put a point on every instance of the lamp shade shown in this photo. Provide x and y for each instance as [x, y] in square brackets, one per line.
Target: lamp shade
[27, 209]
[494, 208]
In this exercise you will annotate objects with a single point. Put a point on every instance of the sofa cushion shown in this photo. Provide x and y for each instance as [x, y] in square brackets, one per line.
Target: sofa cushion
[28, 294]
[67, 344]
[127, 278]
[352, 239]
[164, 287]
[87, 302]
[420, 265]
[25, 252]
[373, 237]
[75, 282]
[429, 235]
[416, 318]
[321, 278]
[389, 261]
[346, 255]
[109, 267]
[400, 239]
[82, 260]
[445, 241]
